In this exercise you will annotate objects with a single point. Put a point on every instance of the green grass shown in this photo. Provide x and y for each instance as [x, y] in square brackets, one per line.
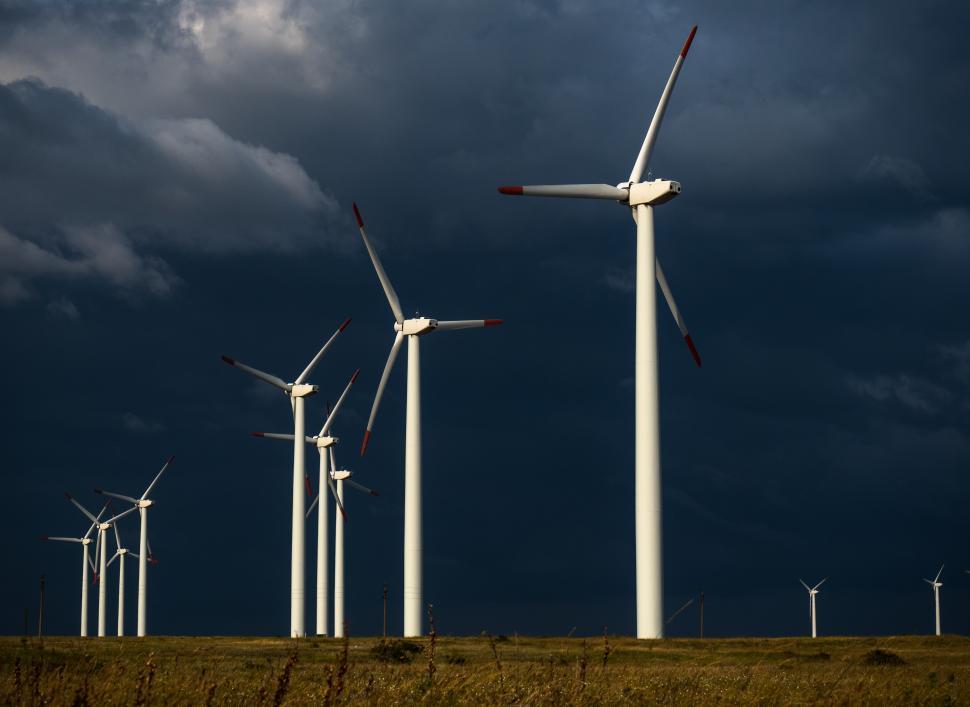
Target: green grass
[482, 670]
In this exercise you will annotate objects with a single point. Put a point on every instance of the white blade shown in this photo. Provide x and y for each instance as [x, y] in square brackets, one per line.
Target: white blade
[807, 588]
[97, 549]
[151, 486]
[644, 157]
[117, 536]
[320, 353]
[119, 496]
[333, 487]
[665, 288]
[63, 540]
[574, 191]
[132, 554]
[113, 558]
[819, 584]
[340, 401]
[95, 525]
[467, 324]
[360, 487]
[312, 505]
[395, 347]
[151, 555]
[381, 275]
[281, 435]
[122, 515]
[255, 372]
[938, 574]
[83, 510]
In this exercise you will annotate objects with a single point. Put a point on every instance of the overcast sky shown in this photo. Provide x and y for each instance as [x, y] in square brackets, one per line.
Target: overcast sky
[176, 180]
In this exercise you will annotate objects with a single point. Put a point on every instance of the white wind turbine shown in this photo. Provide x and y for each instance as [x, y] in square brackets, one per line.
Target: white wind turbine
[413, 329]
[322, 442]
[144, 549]
[812, 591]
[100, 552]
[120, 553]
[936, 584]
[641, 197]
[297, 391]
[341, 476]
[86, 562]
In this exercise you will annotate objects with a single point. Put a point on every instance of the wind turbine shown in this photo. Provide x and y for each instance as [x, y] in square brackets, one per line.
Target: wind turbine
[641, 197]
[413, 329]
[936, 584]
[297, 391]
[322, 442]
[85, 563]
[144, 549]
[812, 591]
[100, 550]
[120, 554]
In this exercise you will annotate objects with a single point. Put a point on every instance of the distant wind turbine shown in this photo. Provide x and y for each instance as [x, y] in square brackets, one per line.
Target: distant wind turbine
[120, 553]
[86, 563]
[412, 329]
[101, 549]
[297, 391]
[322, 441]
[144, 548]
[936, 584]
[641, 198]
[812, 591]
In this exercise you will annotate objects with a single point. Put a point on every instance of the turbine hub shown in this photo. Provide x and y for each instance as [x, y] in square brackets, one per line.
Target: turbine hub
[658, 191]
[417, 326]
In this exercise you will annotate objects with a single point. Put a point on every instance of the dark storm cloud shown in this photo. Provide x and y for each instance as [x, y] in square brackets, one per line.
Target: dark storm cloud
[819, 253]
[91, 194]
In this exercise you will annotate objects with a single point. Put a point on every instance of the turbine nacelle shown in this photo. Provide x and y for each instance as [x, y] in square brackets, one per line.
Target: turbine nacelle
[340, 475]
[325, 441]
[302, 390]
[659, 191]
[416, 326]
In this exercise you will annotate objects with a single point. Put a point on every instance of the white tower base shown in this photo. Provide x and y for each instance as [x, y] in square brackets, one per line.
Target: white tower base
[413, 595]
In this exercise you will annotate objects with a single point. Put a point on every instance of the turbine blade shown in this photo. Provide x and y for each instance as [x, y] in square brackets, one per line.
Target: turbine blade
[807, 588]
[83, 510]
[574, 191]
[95, 524]
[467, 324]
[113, 558]
[395, 347]
[333, 489]
[819, 584]
[644, 157]
[316, 359]
[119, 496]
[256, 373]
[280, 435]
[312, 505]
[326, 425]
[64, 540]
[939, 573]
[361, 487]
[381, 275]
[151, 486]
[309, 489]
[151, 555]
[132, 554]
[117, 536]
[681, 324]
[121, 515]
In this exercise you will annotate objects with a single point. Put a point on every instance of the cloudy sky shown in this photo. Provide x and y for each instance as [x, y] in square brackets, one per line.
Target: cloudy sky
[176, 180]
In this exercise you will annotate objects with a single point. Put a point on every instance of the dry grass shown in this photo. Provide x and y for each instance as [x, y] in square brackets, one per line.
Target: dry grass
[486, 670]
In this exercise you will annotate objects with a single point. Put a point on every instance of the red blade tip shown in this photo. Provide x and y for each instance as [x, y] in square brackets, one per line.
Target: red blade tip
[492, 322]
[69, 496]
[345, 324]
[360, 221]
[258, 434]
[693, 350]
[363, 446]
[374, 493]
[170, 459]
[44, 537]
[690, 38]
[353, 378]
[309, 489]
[228, 360]
[513, 191]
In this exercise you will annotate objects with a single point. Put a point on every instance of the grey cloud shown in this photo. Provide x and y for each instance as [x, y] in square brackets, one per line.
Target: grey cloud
[132, 422]
[918, 395]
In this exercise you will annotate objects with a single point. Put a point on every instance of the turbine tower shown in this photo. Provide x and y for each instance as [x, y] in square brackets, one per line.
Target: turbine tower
[936, 584]
[120, 553]
[412, 329]
[641, 197]
[297, 391]
[86, 562]
[144, 549]
[101, 548]
[812, 591]
[322, 441]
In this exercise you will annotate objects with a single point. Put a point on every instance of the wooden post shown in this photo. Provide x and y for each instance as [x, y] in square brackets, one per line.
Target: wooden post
[702, 614]
[385, 611]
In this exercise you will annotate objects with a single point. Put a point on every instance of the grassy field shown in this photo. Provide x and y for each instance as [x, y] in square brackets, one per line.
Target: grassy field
[485, 670]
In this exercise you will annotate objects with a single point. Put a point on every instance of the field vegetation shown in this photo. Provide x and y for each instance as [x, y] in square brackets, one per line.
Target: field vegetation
[485, 670]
